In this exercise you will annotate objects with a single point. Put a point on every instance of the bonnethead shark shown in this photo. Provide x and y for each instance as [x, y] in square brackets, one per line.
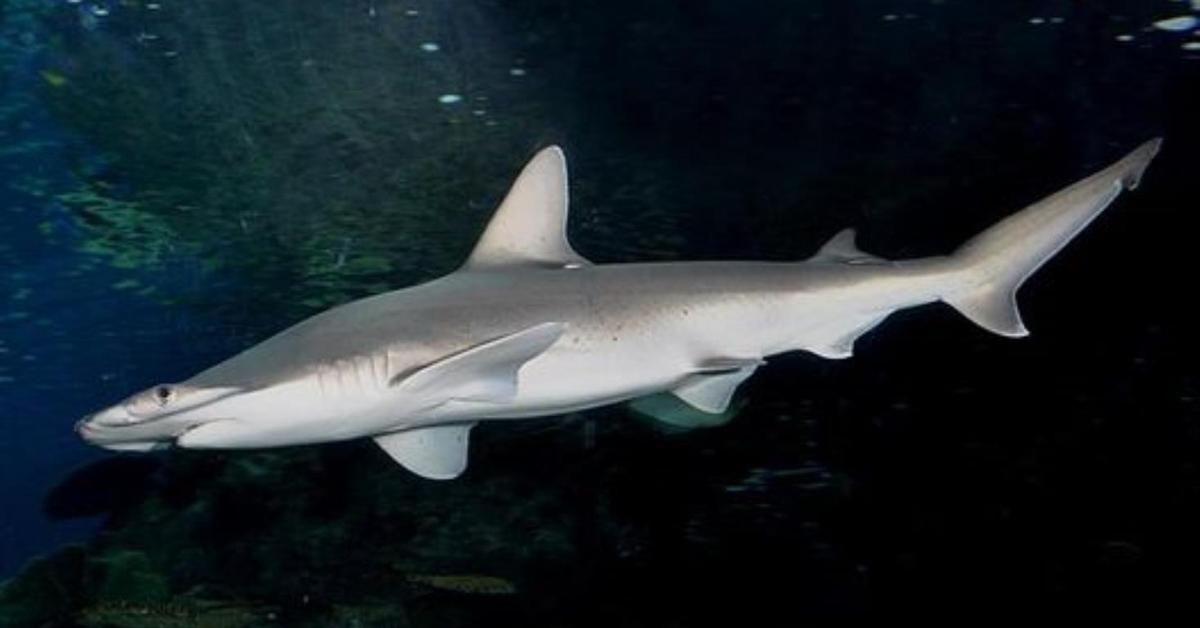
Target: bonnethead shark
[527, 327]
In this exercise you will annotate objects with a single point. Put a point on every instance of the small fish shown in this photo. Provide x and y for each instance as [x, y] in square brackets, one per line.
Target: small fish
[1177, 24]
[53, 78]
[468, 583]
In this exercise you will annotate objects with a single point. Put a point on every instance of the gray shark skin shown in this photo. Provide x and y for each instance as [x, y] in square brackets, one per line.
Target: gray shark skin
[527, 327]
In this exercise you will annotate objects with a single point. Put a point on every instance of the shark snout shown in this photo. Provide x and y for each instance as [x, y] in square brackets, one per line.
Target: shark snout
[112, 429]
[116, 416]
[93, 430]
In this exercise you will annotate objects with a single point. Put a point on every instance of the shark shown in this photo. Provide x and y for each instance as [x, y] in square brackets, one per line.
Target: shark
[527, 327]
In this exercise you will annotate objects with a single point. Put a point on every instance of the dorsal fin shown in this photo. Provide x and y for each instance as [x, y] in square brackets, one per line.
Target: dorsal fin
[841, 248]
[530, 226]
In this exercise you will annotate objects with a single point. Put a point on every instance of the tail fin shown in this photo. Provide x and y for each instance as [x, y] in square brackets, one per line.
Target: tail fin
[996, 262]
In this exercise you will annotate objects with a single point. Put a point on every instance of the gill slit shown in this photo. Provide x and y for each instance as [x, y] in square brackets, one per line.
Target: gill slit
[387, 367]
[321, 380]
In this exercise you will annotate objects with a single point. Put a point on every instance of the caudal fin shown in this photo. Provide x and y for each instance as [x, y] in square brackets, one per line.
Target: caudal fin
[995, 263]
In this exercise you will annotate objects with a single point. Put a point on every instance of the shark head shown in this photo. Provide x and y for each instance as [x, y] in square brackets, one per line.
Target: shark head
[395, 367]
[157, 417]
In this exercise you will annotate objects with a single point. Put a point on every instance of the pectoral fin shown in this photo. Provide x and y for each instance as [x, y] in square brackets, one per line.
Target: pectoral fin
[437, 453]
[485, 372]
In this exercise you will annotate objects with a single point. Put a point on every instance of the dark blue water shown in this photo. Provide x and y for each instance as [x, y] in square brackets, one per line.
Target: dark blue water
[77, 332]
[941, 463]
[72, 342]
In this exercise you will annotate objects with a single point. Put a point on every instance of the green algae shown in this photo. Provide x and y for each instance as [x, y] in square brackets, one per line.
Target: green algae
[303, 537]
[298, 146]
[301, 147]
[119, 231]
[46, 592]
[129, 576]
[183, 613]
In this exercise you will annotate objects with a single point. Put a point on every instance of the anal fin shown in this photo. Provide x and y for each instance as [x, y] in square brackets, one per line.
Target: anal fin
[839, 344]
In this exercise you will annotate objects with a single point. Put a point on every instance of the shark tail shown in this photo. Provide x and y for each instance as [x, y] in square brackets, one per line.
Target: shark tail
[990, 267]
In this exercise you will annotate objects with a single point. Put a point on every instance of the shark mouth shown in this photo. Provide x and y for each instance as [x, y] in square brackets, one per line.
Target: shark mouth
[137, 446]
[103, 438]
[184, 432]
[126, 437]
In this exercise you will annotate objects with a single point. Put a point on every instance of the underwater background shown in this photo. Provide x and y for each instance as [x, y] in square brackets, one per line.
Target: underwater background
[180, 180]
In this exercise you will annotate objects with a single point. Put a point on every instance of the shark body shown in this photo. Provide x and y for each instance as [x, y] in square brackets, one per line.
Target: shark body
[528, 327]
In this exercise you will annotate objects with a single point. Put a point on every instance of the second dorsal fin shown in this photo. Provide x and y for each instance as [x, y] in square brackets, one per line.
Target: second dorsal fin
[530, 226]
[841, 248]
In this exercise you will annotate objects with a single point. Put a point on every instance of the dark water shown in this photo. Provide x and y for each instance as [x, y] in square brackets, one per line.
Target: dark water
[185, 179]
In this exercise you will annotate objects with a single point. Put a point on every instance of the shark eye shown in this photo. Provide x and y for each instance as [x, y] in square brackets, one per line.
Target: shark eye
[150, 402]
